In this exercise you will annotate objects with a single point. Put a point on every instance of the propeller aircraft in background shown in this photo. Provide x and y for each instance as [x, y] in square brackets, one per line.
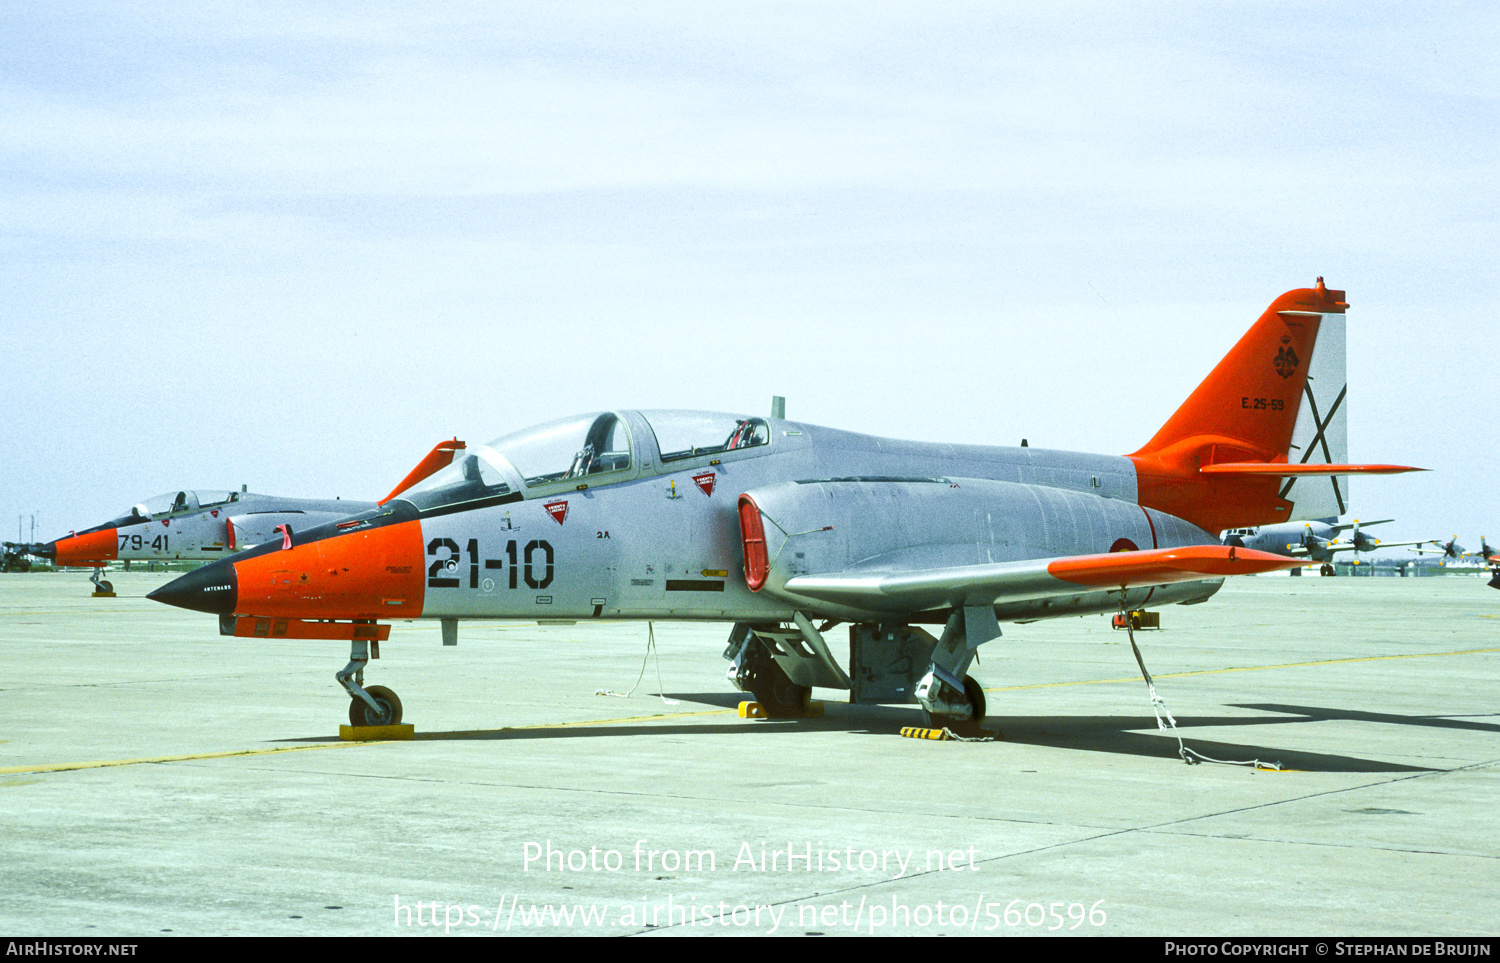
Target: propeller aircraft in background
[1316, 541]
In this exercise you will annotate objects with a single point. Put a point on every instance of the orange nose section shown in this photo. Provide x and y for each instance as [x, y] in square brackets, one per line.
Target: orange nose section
[95, 548]
[372, 574]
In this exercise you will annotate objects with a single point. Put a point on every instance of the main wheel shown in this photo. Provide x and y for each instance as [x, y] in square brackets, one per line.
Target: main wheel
[360, 714]
[974, 692]
[772, 687]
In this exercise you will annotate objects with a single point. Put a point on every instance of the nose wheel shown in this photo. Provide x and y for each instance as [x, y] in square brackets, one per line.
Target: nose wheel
[375, 706]
[385, 712]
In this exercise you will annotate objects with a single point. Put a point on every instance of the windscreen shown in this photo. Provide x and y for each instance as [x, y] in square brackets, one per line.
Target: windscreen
[472, 476]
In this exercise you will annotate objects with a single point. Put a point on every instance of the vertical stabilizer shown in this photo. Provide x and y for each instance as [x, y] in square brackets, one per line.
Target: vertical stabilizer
[1243, 414]
[1322, 432]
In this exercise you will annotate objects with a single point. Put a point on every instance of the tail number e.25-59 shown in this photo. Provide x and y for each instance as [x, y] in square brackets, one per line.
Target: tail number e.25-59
[533, 564]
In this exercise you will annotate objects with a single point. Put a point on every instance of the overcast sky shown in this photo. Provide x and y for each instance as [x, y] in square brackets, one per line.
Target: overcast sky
[293, 246]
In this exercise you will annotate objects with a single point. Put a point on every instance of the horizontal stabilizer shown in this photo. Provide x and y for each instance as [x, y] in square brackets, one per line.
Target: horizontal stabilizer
[1034, 579]
[1285, 470]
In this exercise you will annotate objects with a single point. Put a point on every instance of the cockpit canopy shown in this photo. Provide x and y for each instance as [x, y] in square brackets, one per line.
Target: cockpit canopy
[590, 449]
[688, 434]
[569, 448]
[180, 503]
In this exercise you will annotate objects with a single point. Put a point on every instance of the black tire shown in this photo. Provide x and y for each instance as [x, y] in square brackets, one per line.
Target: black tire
[360, 714]
[974, 692]
[772, 687]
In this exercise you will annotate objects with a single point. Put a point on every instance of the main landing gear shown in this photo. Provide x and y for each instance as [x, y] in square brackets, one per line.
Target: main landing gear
[948, 703]
[758, 674]
[375, 706]
[889, 664]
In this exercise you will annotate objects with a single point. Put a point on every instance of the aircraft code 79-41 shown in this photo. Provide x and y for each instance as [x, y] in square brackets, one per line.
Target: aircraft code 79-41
[533, 564]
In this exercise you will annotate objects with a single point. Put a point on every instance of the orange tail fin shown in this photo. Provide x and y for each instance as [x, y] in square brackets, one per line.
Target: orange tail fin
[1243, 413]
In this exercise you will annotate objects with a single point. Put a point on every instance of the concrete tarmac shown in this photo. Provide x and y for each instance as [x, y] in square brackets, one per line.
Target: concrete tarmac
[156, 778]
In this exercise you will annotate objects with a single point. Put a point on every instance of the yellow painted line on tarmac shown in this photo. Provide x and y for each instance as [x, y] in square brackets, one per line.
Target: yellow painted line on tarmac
[1239, 668]
[100, 764]
[64, 766]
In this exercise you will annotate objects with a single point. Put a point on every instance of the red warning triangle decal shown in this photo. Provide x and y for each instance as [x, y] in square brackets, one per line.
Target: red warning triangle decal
[706, 482]
[558, 510]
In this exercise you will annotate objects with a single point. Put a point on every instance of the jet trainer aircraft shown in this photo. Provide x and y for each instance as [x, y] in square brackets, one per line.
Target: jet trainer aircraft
[208, 525]
[778, 525]
[192, 525]
[1318, 541]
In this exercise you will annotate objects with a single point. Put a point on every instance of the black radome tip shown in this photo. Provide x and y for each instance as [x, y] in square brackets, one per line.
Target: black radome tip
[212, 588]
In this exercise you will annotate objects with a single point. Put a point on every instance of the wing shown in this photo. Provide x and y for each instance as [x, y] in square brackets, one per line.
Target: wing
[1382, 544]
[1036, 578]
[1346, 526]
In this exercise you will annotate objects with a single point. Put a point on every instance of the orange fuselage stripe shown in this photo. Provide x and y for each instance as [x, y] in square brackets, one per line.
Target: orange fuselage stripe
[372, 574]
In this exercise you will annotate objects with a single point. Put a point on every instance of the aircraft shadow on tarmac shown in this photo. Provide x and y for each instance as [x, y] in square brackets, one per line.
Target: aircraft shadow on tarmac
[1125, 734]
[1319, 714]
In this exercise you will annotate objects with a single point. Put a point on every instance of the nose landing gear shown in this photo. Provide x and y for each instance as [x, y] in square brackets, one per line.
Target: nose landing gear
[375, 706]
[102, 589]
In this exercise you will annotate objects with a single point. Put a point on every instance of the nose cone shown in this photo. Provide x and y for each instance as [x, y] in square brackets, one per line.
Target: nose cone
[212, 588]
[90, 548]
